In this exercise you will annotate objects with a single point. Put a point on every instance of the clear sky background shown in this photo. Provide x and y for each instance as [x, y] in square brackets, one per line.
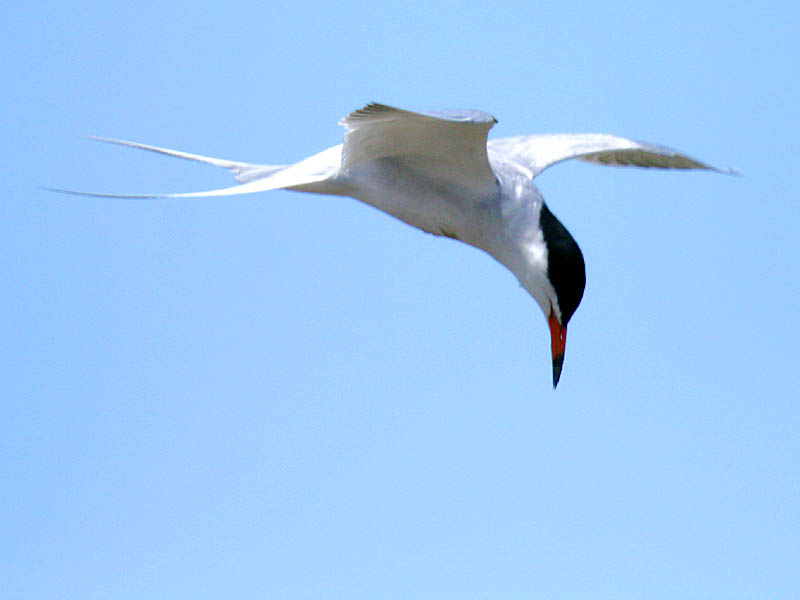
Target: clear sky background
[294, 396]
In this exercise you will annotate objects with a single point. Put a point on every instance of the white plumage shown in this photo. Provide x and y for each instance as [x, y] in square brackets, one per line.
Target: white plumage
[438, 171]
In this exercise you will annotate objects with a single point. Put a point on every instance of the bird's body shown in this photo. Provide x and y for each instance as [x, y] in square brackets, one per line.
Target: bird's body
[438, 172]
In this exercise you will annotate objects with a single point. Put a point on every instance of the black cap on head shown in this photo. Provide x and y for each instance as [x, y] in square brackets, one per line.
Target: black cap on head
[565, 267]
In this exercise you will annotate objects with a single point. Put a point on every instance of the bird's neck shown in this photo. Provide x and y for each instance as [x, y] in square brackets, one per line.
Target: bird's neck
[521, 246]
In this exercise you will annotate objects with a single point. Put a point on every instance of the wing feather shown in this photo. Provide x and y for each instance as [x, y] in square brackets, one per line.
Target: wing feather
[447, 144]
[538, 152]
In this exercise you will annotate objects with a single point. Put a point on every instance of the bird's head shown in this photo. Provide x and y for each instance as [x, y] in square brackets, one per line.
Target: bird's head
[566, 274]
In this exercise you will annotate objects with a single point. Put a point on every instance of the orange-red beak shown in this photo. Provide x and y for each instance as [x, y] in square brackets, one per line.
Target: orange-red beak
[558, 342]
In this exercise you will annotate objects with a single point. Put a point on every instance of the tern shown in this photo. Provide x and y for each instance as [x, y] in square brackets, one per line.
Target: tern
[439, 172]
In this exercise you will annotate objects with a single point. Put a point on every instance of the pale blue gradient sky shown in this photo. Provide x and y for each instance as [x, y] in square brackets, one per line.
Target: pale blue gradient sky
[292, 396]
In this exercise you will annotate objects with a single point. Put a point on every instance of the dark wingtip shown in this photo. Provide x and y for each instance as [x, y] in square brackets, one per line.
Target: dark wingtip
[558, 363]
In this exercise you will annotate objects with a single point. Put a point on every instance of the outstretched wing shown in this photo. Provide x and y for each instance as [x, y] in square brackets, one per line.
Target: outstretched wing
[538, 152]
[446, 145]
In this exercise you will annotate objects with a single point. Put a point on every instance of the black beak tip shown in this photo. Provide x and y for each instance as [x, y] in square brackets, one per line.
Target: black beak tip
[558, 363]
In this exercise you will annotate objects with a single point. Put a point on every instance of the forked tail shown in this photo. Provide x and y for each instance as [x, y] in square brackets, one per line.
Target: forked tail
[310, 174]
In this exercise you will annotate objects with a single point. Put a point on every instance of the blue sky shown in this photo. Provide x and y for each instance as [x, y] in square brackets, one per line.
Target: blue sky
[293, 396]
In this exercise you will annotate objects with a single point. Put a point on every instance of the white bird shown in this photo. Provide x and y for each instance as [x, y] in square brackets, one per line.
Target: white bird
[438, 171]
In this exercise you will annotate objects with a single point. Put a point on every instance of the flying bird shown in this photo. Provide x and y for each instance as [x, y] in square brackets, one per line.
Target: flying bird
[438, 171]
